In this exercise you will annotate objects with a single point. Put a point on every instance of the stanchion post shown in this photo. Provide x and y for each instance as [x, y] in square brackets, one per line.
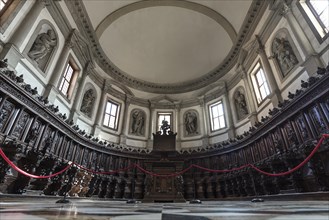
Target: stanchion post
[64, 200]
[133, 184]
[194, 200]
[67, 181]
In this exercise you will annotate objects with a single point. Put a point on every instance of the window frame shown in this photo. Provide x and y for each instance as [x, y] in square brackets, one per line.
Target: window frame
[158, 123]
[312, 17]
[116, 117]
[73, 79]
[212, 117]
[6, 6]
[256, 85]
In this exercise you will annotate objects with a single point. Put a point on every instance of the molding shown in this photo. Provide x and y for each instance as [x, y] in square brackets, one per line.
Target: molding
[83, 22]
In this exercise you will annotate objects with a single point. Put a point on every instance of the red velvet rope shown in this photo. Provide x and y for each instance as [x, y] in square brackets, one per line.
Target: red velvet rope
[324, 136]
[28, 174]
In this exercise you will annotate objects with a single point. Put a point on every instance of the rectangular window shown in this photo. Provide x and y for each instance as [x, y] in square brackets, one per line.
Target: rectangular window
[4, 4]
[260, 83]
[317, 14]
[217, 116]
[164, 116]
[66, 82]
[111, 115]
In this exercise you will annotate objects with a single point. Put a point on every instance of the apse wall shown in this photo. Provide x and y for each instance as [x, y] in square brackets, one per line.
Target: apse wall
[287, 23]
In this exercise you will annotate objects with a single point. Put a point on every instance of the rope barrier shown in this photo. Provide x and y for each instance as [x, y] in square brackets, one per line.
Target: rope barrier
[324, 136]
[28, 174]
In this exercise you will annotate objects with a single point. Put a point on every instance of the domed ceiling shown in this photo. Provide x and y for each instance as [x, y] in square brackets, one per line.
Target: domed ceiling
[166, 46]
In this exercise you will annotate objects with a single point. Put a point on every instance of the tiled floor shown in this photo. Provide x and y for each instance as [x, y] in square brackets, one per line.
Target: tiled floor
[14, 208]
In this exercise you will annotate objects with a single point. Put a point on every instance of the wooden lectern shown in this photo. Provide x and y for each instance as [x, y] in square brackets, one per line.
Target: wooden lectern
[164, 189]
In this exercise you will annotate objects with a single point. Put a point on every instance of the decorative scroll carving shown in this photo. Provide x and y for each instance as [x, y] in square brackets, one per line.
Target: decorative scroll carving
[5, 113]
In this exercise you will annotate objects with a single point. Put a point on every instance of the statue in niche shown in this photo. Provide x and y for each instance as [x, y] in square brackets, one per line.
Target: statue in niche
[42, 46]
[137, 125]
[191, 123]
[240, 104]
[283, 53]
[88, 102]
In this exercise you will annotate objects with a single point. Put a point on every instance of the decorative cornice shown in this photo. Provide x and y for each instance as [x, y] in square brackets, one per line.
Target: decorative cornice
[82, 20]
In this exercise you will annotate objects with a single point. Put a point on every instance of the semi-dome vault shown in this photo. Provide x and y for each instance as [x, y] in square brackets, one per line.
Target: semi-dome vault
[166, 46]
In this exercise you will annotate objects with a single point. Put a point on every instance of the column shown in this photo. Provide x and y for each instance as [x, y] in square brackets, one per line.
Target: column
[231, 129]
[205, 138]
[252, 105]
[178, 126]
[312, 60]
[51, 90]
[26, 24]
[275, 91]
[151, 126]
[101, 106]
[78, 95]
[123, 134]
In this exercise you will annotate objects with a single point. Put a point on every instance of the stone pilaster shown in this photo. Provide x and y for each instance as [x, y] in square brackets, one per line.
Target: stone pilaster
[51, 89]
[312, 59]
[275, 95]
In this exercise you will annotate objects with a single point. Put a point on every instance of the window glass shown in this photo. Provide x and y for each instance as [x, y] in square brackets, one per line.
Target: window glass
[260, 83]
[167, 116]
[66, 82]
[217, 116]
[111, 115]
[317, 14]
[4, 5]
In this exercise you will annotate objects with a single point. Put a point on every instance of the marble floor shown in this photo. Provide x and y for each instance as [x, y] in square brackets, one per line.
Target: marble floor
[17, 208]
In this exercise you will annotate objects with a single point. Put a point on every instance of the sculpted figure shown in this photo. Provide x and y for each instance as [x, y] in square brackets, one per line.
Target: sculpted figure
[241, 105]
[191, 123]
[137, 126]
[42, 45]
[88, 102]
[284, 54]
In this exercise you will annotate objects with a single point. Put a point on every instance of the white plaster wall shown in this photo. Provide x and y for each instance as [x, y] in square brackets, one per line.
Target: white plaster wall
[104, 135]
[30, 78]
[218, 138]
[136, 143]
[295, 84]
[83, 126]
[242, 128]
[62, 107]
[191, 144]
